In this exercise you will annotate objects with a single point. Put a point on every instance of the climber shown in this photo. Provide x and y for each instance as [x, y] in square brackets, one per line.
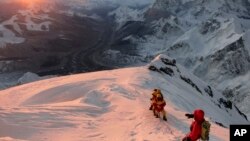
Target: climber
[158, 106]
[155, 91]
[199, 129]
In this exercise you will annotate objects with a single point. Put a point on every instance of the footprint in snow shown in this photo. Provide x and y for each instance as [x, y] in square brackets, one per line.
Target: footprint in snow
[133, 133]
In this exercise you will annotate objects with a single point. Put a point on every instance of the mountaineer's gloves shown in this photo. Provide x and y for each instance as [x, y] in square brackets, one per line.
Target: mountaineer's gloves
[189, 115]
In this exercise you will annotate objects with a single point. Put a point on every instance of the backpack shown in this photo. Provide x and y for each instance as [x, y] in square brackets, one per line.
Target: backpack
[159, 96]
[205, 129]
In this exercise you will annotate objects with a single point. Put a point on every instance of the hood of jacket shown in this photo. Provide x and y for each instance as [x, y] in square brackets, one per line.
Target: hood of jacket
[199, 115]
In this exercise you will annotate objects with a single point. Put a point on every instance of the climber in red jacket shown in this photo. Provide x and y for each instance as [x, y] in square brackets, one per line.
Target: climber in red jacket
[195, 128]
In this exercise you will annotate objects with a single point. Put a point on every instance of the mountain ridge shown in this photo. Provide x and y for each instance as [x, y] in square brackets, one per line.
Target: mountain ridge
[199, 35]
[68, 106]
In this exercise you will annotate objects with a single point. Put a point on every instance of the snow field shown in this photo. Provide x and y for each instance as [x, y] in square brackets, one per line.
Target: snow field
[106, 106]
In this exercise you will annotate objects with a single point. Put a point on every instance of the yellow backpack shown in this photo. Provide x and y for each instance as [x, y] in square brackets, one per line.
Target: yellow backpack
[205, 129]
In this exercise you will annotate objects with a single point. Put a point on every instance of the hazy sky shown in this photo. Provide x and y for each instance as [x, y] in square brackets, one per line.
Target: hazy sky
[132, 1]
[126, 2]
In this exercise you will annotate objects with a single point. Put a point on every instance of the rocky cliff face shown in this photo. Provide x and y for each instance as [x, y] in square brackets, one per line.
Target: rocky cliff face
[210, 37]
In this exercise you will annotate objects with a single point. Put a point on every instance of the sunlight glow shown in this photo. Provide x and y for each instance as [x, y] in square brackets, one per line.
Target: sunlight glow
[30, 2]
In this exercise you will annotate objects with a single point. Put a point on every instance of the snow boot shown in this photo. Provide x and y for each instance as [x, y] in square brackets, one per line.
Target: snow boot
[154, 112]
[157, 116]
[164, 118]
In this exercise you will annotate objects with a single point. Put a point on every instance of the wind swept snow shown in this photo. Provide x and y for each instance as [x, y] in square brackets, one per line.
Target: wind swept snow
[110, 106]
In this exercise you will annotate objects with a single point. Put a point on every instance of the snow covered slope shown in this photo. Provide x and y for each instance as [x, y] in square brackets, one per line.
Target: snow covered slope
[125, 13]
[113, 105]
[209, 37]
[11, 30]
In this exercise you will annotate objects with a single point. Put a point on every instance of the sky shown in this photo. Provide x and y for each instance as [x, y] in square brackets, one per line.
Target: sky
[124, 2]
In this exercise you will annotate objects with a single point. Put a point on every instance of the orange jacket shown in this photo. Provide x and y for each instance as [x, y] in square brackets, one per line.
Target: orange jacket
[159, 105]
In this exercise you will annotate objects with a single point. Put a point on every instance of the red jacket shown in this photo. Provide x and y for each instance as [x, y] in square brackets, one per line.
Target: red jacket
[159, 105]
[195, 133]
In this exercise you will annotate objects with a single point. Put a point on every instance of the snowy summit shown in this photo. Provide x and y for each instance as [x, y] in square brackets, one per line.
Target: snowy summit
[113, 106]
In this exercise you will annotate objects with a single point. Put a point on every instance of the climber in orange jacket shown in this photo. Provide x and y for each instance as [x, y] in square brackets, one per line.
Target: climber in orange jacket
[159, 105]
[153, 98]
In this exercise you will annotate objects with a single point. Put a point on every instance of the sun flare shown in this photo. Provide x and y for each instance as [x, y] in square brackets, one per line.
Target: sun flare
[30, 2]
